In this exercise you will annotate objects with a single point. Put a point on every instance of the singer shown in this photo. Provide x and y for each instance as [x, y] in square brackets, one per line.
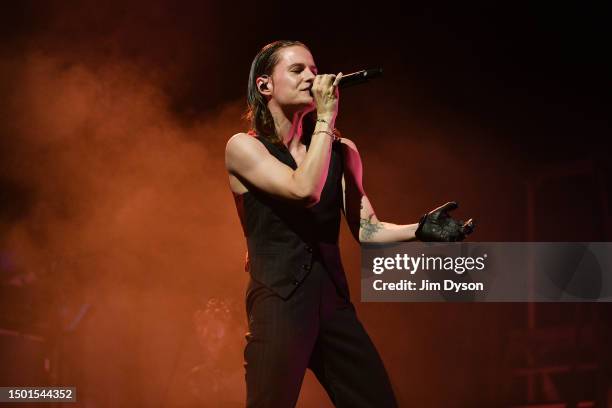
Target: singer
[292, 175]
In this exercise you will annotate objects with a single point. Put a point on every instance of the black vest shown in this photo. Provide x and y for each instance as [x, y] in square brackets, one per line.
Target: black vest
[284, 239]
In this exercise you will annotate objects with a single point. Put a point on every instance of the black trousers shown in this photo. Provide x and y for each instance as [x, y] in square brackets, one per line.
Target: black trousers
[315, 328]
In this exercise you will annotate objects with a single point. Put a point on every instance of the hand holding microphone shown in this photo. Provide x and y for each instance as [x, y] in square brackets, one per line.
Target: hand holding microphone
[339, 81]
[324, 90]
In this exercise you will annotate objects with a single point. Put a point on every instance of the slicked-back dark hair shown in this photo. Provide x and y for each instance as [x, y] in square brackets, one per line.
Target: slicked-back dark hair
[257, 112]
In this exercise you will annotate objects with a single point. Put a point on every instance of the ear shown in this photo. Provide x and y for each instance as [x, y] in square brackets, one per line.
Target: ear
[264, 84]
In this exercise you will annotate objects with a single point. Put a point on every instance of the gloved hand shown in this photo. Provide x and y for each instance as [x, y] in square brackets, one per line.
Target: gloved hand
[438, 226]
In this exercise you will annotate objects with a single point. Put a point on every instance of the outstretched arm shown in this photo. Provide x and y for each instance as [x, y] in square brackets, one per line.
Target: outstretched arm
[436, 225]
[358, 210]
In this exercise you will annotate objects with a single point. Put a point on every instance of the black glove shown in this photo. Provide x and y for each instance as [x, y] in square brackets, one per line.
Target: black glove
[438, 226]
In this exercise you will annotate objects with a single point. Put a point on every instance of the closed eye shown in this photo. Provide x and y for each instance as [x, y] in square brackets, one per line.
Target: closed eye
[297, 68]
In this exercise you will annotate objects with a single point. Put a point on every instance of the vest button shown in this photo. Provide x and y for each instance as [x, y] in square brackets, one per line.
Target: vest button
[309, 249]
[306, 267]
[295, 282]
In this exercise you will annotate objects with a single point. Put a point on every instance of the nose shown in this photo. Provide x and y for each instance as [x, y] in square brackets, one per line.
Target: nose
[309, 75]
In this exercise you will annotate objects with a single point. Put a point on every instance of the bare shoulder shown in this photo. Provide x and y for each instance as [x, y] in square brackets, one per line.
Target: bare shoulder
[348, 144]
[242, 149]
[351, 159]
[349, 151]
[239, 142]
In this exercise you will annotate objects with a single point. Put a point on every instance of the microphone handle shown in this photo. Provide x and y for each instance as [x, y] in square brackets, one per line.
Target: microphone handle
[359, 77]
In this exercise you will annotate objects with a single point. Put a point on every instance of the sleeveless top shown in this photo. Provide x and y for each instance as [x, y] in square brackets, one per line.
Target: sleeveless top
[284, 239]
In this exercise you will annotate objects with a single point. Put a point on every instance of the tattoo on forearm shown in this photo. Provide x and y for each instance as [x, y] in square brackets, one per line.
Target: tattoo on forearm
[368, 228]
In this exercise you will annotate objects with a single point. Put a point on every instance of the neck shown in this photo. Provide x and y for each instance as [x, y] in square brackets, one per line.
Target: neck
[288, 125]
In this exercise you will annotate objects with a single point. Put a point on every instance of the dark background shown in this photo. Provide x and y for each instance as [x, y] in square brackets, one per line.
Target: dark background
[117, 226]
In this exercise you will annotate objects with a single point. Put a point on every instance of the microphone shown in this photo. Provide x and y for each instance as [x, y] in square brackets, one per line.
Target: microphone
[359, 77]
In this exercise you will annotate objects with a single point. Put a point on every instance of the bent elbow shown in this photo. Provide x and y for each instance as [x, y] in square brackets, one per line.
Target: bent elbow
[306, 194]
[307, 198]
[312, 200]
